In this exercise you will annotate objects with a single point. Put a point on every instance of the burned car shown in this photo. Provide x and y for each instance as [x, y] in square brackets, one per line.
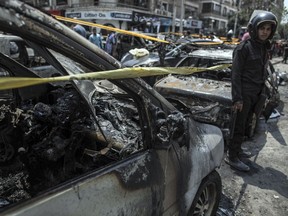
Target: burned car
[95, 147]
[17, 49]
[171, 53]
[207, 94]
[205, 58]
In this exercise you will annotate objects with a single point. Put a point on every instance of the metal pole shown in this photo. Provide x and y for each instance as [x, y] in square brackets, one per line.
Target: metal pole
[174, 16]
[235, 25]
[182, 15]
[236, 18]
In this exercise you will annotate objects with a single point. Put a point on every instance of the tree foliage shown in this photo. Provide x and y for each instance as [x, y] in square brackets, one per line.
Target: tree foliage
[246, 8]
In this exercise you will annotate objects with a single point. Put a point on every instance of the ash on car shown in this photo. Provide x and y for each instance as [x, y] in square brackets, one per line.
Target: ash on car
[105, 147]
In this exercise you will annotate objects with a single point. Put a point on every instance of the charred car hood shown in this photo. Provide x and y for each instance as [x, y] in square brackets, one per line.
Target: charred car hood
[209, 101]
[193, 87]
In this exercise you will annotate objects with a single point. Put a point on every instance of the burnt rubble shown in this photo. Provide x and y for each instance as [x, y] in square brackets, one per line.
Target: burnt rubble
[52, 140]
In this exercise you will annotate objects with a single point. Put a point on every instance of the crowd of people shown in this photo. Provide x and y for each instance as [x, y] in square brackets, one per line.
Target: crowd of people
[280, 49]
[97, 39]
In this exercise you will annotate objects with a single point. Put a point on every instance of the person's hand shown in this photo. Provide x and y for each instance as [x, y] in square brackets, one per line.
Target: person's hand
[237, 106]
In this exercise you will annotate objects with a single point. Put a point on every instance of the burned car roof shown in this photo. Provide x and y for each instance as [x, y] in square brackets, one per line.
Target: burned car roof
[220, 54]
[86, 147]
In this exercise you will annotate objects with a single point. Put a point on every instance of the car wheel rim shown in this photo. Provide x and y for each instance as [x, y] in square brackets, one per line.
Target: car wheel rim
[206, 201]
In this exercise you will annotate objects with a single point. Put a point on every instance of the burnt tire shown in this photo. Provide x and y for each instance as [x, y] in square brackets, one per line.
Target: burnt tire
[208, 196]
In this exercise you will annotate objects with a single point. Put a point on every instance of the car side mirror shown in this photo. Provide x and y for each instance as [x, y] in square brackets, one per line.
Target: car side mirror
[178, 129]
[172, 129]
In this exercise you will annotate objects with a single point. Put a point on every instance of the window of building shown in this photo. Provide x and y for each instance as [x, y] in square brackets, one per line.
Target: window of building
[217, 8]
[207, 8]
[224, 11]
[61, 2]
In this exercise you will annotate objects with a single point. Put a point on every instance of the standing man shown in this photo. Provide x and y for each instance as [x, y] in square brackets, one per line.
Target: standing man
[229, 35]
[111, 41]
[249, 71]
[285, 55]
[96, 39]
[79, 28]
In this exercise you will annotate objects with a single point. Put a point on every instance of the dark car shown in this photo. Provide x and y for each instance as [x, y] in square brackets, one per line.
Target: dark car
[16, 48]
[105, 147]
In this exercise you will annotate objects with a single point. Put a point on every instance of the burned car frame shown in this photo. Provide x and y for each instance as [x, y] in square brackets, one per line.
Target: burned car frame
[105, 147]
[207, 95]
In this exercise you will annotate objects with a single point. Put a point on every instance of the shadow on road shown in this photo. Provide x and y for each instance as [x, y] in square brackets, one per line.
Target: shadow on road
[266, 178]
[273, 128]
[276, 133]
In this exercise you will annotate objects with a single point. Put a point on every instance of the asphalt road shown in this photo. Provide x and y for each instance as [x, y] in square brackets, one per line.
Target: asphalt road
[264, 190]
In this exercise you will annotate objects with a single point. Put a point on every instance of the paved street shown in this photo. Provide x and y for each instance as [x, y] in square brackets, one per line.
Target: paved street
[264, 190]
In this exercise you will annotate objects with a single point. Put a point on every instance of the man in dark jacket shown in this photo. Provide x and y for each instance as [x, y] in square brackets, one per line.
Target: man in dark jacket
[249, 68]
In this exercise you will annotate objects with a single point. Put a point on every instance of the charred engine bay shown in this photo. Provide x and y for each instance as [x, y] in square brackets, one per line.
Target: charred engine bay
[52, 140]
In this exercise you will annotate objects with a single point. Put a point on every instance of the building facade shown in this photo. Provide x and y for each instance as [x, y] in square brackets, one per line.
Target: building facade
[215, 14]
[155, 15]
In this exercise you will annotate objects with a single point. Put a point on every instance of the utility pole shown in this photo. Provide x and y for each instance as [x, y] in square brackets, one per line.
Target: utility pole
[182, 15]
[174, 16]
[236, 18]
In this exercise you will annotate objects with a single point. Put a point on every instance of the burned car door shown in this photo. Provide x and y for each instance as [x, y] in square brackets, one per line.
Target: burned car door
[123, 150]
[52, 140]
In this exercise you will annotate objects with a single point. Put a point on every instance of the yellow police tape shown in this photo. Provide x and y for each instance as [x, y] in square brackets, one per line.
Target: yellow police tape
[66, 19]
[19, 82]
[135, 34]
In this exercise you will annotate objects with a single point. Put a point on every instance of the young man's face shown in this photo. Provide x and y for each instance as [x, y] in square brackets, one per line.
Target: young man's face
[264, 31]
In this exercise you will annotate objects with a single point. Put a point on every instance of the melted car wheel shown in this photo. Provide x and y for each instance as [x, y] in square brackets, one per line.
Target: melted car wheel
[208, 196]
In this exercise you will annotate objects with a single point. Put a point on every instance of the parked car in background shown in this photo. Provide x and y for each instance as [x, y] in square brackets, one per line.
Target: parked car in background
[166, 55]
[105, 147]
[128, 42]
[205, 58]
[172, 54]
[19, 50]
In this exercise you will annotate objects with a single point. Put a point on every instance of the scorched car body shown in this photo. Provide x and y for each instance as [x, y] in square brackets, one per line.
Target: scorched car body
[100, 147]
